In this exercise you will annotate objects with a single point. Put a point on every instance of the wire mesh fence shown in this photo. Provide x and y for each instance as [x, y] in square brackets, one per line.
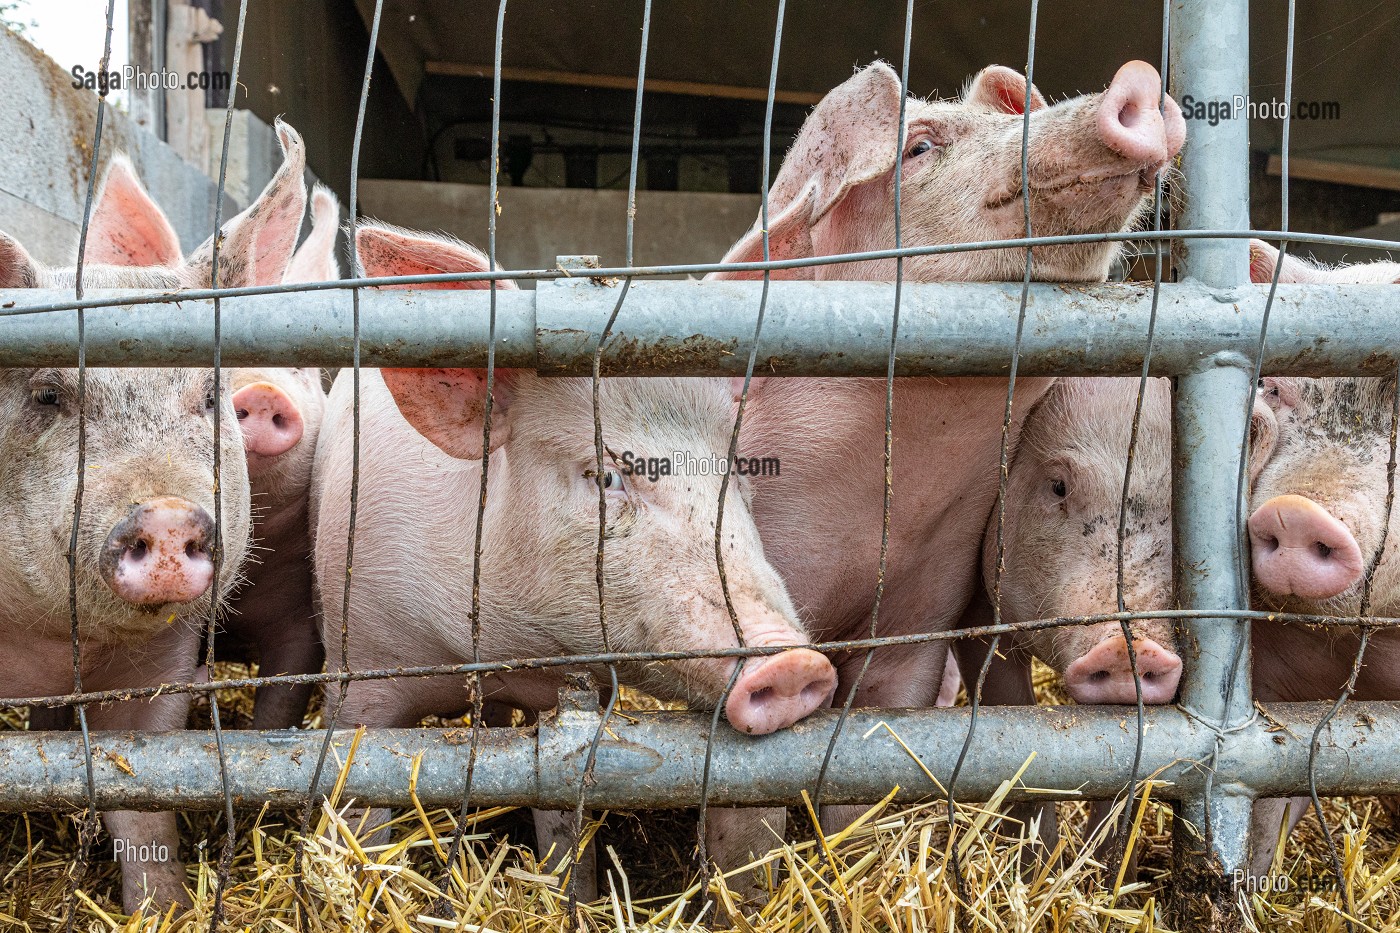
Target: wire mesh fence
[1213, 333]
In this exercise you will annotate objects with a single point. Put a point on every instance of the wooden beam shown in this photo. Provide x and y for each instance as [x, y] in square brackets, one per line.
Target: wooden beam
[1341, 173]
[619, 82]
[146, 41]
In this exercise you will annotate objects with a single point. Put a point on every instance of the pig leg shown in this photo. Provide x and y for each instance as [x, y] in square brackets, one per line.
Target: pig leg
[554, 829]
[736, 836]
[1269, 815]
[147, 844]
[1008, 683]
[554, 835]
[289, 648]
[276, 616]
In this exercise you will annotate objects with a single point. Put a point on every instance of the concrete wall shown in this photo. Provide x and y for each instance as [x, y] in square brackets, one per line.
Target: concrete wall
[538, 224]
[46, 128]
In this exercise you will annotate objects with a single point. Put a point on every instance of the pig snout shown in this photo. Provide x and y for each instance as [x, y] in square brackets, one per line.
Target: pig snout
[1299, 549]
[774, 692]
[1105, 673]
[269, 419]
[1129, 122]
[159, 553]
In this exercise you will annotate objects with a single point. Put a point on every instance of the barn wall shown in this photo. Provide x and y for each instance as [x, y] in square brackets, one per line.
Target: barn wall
[538, 224]
[46, 128]
[304, 62]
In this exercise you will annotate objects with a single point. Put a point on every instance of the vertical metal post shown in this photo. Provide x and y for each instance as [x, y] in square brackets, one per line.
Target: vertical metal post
[1209, 62]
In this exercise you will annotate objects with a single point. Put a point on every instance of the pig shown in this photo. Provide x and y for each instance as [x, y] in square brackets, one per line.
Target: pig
[1317, 468]
[144, 565]
[419, 480]
[1317, 521]
[1063, 497]
[279, 413]
[1093, 160]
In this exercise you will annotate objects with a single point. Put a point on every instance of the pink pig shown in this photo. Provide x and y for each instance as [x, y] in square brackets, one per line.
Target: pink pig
[279, 412]
[420, 469]
[1321, 452]
[1092, 161]
[145, 575]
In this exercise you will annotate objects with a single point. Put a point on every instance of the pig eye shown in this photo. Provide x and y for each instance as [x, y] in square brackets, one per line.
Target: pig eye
[211, 401]
[919, 148]
[612, 481]
[1058, 488]
[46, 395]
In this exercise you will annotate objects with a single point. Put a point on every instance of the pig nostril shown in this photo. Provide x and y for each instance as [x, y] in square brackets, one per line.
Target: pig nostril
[812, 691]
[1128, 116]
[138, 550]
[242, 413]
[279, 421]
[1323, 551]
[759, 697]
[192, 550]
[1099, 677]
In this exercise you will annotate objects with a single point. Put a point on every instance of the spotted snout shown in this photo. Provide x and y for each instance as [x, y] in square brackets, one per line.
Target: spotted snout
[160, 553]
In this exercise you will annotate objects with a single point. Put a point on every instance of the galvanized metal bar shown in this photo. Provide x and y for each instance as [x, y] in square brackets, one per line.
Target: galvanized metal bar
[654, 760]
[1210, 419]
[701, 328]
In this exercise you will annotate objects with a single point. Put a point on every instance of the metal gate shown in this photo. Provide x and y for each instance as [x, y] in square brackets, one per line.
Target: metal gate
[1212, 331]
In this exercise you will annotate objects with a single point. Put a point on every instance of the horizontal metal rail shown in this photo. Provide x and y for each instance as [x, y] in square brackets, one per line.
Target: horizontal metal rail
[654, 760]
[704, 328]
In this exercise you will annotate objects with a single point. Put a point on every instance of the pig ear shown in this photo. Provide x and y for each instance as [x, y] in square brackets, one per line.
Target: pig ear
[847, 140]
[386, 250]
[314, 260]
[1278, 392]
[789, 237]
[17, 269]
[447, 406]
[127, 227]
[258, 243]
[1263, 436]
[1001, 89]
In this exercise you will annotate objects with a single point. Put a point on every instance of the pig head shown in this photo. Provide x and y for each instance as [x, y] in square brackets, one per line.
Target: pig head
[1091, 161]
[1320, 459]
[1064, 495]
[540, 533]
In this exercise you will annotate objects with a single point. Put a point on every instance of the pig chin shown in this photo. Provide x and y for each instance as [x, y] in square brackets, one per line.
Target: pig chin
[1100, 205]
[104, 618]
[1343, 604]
